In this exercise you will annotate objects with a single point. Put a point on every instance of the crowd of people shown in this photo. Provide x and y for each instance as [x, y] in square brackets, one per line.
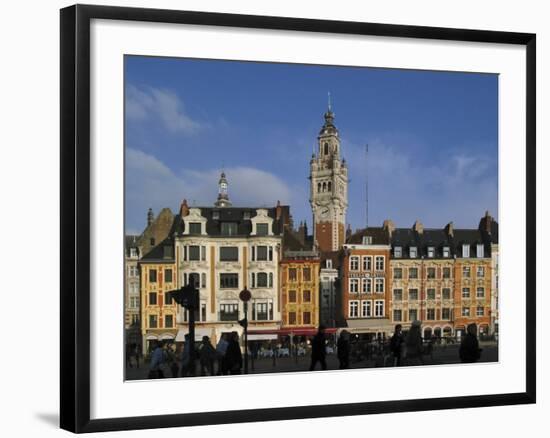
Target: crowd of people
[226, 358]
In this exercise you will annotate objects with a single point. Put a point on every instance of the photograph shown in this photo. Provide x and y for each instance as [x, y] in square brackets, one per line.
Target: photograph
[285, 218]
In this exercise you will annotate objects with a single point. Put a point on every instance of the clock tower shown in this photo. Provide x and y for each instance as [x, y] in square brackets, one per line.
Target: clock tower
[329, 188]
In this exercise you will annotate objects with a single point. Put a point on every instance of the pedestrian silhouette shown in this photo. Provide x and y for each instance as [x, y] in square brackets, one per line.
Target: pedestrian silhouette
[158, 357]
[469, 350]
[343, 347]
[396, 345]
[318, 349]
[207, 355]
[413, 344]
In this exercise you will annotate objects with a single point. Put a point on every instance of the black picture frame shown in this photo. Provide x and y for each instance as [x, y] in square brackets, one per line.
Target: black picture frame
[75, 217]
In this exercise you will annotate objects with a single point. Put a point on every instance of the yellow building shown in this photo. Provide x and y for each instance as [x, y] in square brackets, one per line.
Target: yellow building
[300, 292]
[158, 311]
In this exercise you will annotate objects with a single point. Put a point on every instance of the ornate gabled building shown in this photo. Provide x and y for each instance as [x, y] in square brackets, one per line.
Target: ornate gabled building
[328, 188]
[224, 249]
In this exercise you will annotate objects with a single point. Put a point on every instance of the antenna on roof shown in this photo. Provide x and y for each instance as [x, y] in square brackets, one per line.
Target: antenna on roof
[329, 102]
[366, 185]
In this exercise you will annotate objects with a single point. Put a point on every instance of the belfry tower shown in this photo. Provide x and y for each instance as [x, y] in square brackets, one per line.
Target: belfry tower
[223, 196]
[329, 188]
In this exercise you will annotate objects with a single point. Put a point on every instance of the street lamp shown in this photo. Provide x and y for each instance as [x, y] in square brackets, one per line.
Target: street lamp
[245, 296]
[188, 297]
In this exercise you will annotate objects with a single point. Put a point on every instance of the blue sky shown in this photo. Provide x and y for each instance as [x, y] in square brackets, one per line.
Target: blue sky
[433, 138]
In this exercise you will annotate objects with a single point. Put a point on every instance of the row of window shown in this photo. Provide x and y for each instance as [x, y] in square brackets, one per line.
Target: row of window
[228, 253]
[366, 285]
[446, 313]
[306, 296]
[364, 308]
[229, 228]
[292, 318]
[366, 265]
[446, 272]
[293, 274]
[431, 293]
[230, 280]
[446, 252]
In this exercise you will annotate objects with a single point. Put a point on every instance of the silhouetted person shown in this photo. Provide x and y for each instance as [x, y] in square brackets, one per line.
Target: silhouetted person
[469, 351]
[233, 355]
[207, 356]
[396, 345]
[413, 344]
[343, 348]
[318, 349]
[187, 364]
[157, 360]
[221, 349]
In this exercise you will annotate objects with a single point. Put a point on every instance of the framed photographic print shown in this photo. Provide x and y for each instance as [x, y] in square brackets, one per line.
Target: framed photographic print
[268, 218]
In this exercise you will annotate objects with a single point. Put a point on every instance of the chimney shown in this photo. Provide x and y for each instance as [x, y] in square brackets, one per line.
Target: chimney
[418, 227]
[485, 223]
[150, 217]
[449, 229]
[348, 232]
[389, 226]
[302, 233]
[278, 210]
[184, 208]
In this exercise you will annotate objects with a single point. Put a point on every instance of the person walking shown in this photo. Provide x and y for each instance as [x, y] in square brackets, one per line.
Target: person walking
[413, 345]
[469, 350]
[221, 349]
[233, 355]
[158, 357]
[396, 345]
[318, 349]
[343, 347]
[186, 363]
[207, 355]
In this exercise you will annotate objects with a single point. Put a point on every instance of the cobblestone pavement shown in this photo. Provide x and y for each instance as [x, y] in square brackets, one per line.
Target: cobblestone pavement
[441, 355]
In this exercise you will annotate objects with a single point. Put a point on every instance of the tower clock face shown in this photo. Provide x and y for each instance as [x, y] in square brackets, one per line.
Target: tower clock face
[324, 213]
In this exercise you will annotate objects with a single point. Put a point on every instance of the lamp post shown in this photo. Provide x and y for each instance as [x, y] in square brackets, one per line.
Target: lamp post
[245, 296]
[188, 297]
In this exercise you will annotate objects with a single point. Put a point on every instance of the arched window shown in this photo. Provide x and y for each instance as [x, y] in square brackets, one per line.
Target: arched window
[329, 186]
[326, 148]
[319, 188]
[324, 187]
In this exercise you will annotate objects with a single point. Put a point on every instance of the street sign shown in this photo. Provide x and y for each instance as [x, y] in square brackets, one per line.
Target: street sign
[245, 295]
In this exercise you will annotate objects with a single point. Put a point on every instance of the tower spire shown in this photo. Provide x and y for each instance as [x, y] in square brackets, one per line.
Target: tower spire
[329, 102]
[223, 196]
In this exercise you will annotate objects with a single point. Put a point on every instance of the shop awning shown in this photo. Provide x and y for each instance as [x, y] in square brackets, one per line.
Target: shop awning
[262, 337]
[166, 336]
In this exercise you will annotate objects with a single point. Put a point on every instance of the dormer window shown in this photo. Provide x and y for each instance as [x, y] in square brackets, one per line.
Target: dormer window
[229, 228]
[367, 240]
[398, 252]
[431, 252]
[328, 264]
[413, 252]
[133, 252]
[480, 251]
[446, 252]
[216, 215]
[195, 228]
[465, 251]
[261, 229]
[246, 215]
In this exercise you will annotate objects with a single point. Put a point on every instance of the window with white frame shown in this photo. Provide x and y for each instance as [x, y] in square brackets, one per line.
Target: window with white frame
[367, 263]
[132, 271]
[354, 309]
[367, 286]
[430, 314]
[328, 264]
[413, 294]
[398, 252]
[413, 273]
[133, 252]
[397, 273]
[446, 293]
[366, 308]
[413, 252]
[446, 252]
[480, 293]
[354, 263]
[465, 311]
[379, 308]
[480, 271]
[431, 252]
[445, 313]
[480, 311]
[446, 272]
[354, 285]
[262, 253]
[430, 294]
[379, 263]
[465, 292]
[413, 314]
[480, 251]
[430, 273]
[379, 285]
[466, 271]
[465, 250]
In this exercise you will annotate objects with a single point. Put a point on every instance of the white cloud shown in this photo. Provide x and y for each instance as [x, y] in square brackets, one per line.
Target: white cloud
[149, 103]
[403, 188]
[150, 183]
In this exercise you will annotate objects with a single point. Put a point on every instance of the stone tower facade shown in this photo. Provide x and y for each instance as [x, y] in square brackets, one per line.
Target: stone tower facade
[328, 188]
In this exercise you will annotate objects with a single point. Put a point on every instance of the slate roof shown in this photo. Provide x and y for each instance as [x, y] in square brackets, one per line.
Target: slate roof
[130, 241]
[379, 236]
[163, 253]
[236, 215]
